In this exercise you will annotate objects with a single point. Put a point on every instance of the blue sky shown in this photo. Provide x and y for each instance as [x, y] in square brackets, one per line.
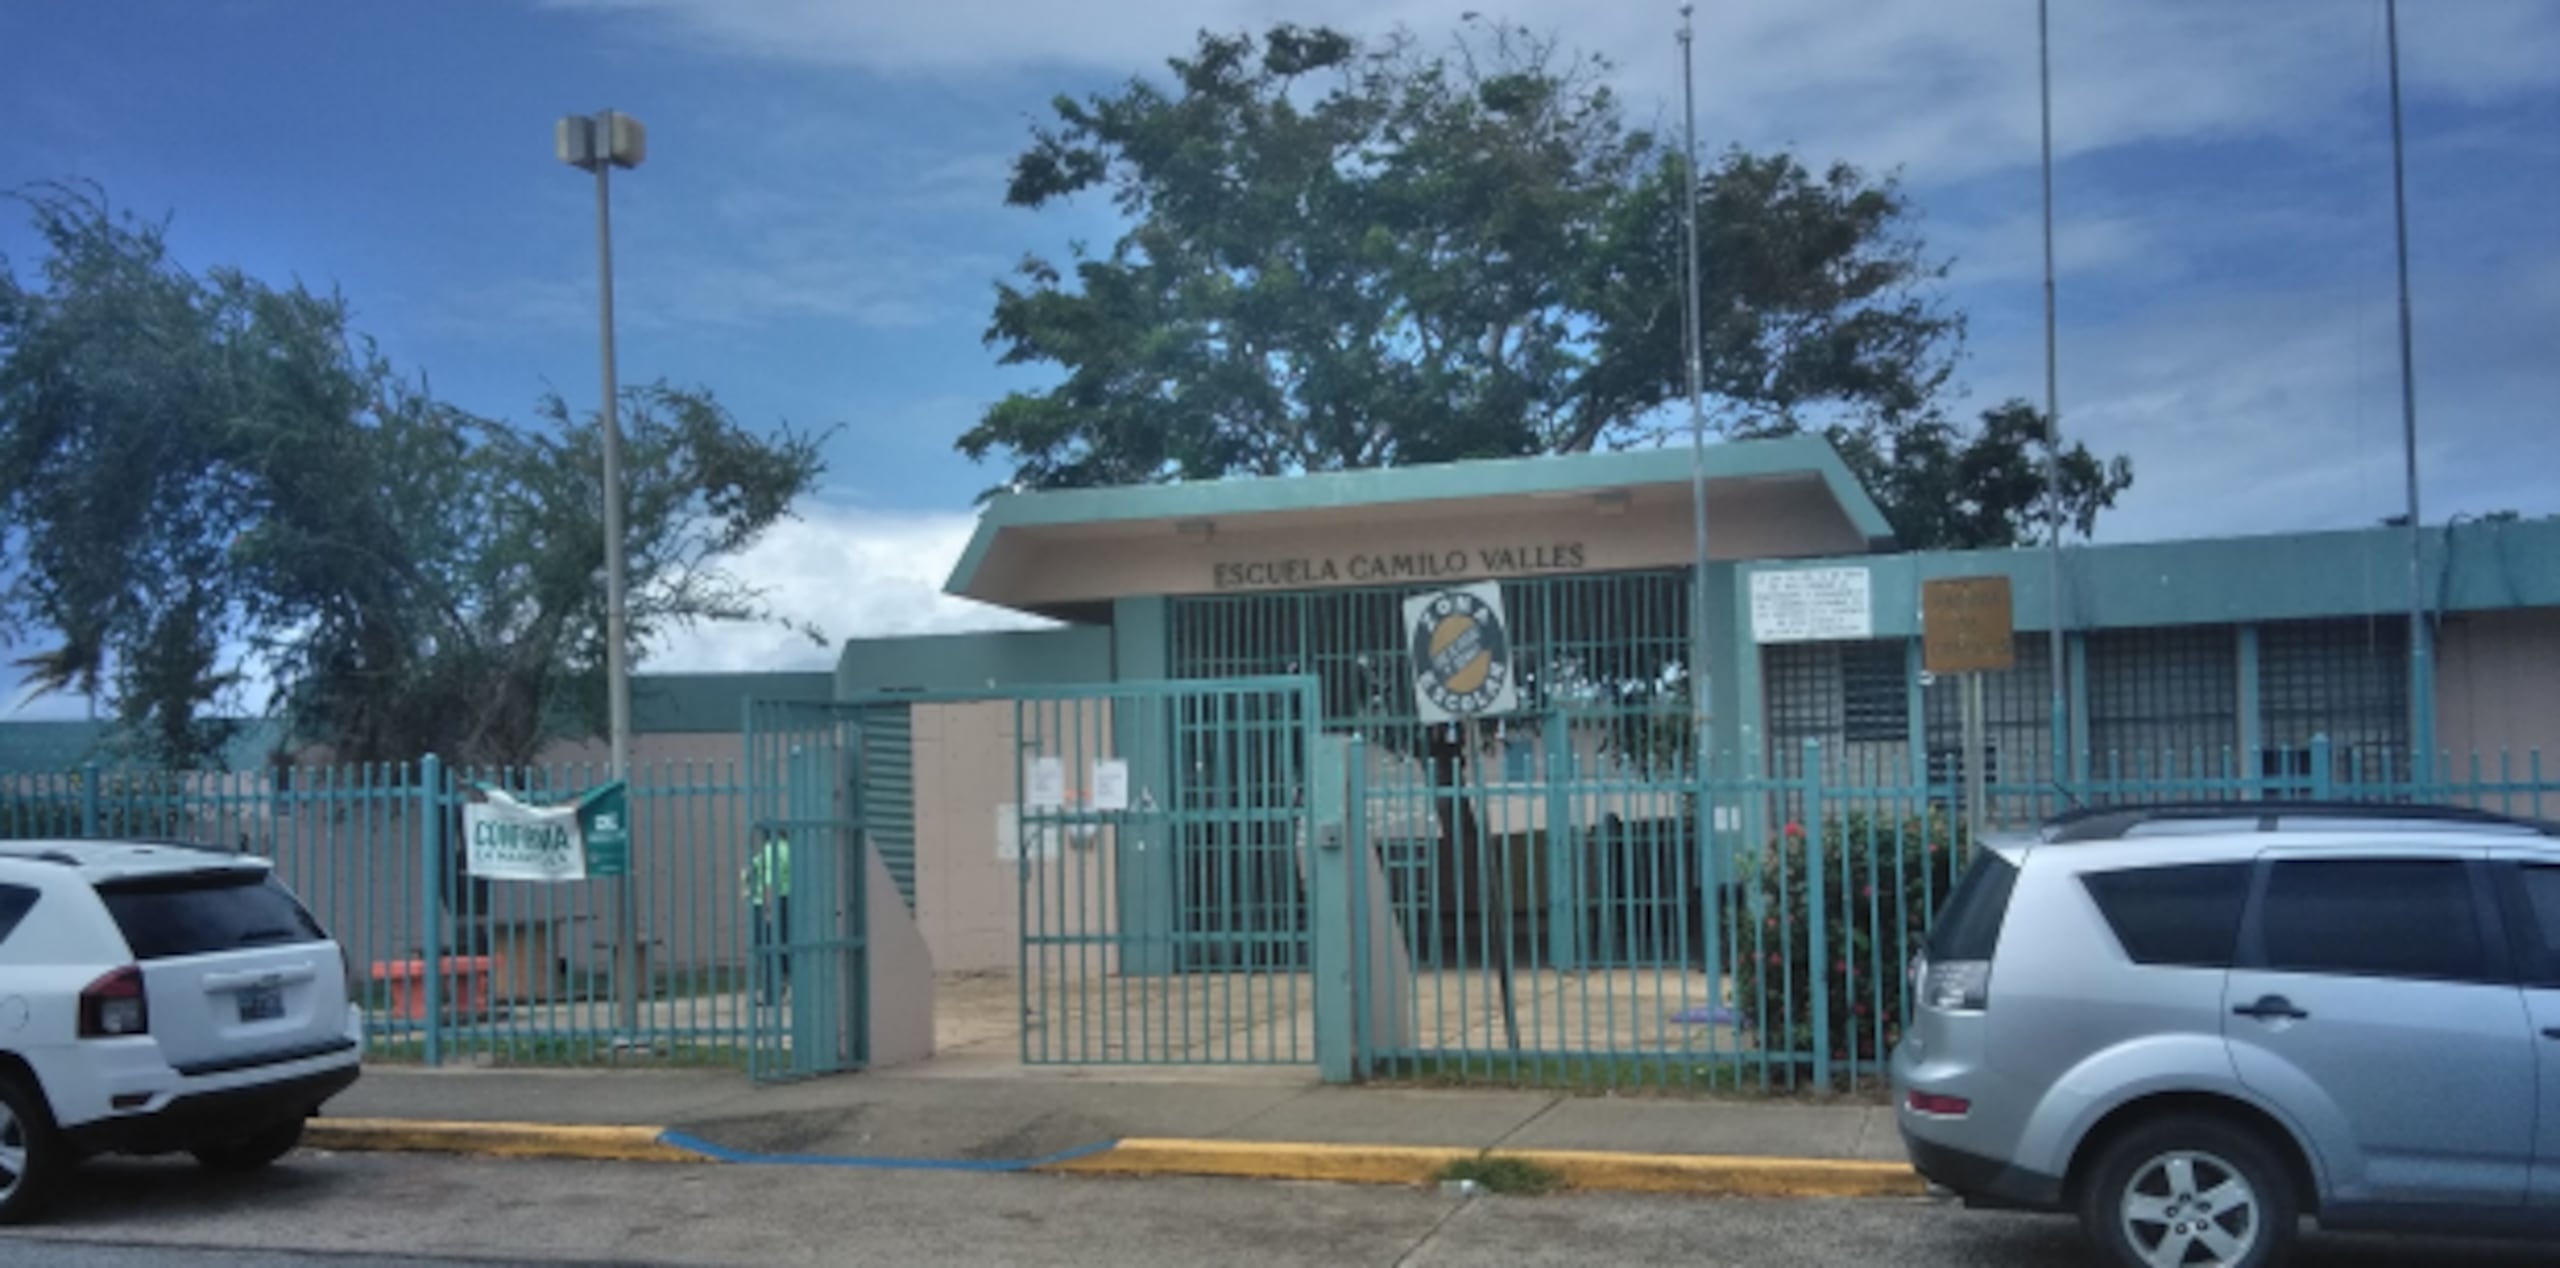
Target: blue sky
[820, 221]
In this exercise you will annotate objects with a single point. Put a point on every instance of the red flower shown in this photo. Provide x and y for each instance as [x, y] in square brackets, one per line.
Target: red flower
[1773, 958]
[1796, 831]
[1859, 1008]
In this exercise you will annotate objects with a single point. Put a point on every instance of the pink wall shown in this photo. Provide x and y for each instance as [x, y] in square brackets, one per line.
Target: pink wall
[2498, 689]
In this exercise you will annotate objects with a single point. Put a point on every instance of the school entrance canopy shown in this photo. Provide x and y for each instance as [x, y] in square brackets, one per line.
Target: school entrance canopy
[1069, 553]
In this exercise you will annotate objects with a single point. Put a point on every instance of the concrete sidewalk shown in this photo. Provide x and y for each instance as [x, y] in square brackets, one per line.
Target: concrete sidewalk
[1241, 1122]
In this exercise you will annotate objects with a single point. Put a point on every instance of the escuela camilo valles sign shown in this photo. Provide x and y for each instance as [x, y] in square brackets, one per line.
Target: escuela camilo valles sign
[1411, 565]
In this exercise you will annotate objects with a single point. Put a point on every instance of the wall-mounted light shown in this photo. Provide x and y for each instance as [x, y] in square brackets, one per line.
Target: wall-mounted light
[1610, 501]
[1200, 532]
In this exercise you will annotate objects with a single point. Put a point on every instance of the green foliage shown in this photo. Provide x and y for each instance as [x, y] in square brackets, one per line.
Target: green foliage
[1339, 256]
[1883, 879]
[1504, 1174]
[209, 481]
[1944, 489]
[1343, 255]
[130, 804]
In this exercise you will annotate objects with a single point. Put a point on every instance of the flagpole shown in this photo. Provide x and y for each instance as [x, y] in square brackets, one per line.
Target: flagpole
[2421, 679]
[1701, 683]
[2052, 417]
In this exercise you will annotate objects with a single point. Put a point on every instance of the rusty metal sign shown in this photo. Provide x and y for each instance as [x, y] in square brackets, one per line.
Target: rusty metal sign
[1966, 625]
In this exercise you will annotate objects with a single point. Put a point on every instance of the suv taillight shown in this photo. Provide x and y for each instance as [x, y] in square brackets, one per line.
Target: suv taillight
[1961, 986]
[113, 1006]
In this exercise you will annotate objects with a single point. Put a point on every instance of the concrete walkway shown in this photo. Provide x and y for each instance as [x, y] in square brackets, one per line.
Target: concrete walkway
[1240, 1122]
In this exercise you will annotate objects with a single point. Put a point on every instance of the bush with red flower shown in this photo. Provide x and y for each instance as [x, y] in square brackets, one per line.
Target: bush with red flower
[1884, 878]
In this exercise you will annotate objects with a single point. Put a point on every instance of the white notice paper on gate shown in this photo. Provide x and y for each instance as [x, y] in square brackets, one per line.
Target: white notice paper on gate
[1045, 783]
[1109, 790]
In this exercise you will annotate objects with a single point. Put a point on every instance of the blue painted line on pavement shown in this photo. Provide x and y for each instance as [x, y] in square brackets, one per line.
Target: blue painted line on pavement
[719, 1153]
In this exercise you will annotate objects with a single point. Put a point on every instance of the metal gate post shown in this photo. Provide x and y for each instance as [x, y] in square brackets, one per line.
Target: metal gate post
[1817, 914]
[1329, 865]
[1567, 846]
[809, 993]
[431, 848]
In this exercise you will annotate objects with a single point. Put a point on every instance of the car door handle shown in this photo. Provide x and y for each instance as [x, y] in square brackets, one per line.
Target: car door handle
[2551, 1032]
[2271, 1007]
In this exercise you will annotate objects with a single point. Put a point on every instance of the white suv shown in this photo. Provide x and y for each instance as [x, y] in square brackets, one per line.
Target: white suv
[157, 998]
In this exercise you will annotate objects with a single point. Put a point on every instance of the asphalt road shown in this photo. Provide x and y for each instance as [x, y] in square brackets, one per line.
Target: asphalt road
[328, 1211]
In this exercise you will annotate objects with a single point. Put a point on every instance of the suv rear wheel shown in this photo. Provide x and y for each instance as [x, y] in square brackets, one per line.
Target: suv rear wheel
[2190, 1190]
[32, 1154]
[252, 1152]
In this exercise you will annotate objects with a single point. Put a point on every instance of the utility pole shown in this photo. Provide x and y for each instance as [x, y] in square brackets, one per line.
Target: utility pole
[2422, 729]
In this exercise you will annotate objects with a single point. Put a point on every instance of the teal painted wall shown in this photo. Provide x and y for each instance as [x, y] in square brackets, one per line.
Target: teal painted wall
[1142, 651]
[975, 662]
[706, 704]
[1141, 639]
[2238, 580]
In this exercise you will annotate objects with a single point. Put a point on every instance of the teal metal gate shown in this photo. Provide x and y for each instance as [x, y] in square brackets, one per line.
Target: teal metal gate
[804, 891]
[1151, 843]
[1163, 855]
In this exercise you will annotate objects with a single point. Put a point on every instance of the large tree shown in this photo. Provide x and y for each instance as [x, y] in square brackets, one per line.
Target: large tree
[1343, 255]
[210, 488]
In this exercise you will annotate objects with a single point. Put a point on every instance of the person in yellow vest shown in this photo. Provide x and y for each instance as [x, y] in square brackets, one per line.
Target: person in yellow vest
[767, 883]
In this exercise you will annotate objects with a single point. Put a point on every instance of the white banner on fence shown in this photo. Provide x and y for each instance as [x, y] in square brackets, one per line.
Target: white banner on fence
[508, 840]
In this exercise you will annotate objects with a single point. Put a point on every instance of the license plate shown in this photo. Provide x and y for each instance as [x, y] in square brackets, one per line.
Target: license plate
[262, 1003]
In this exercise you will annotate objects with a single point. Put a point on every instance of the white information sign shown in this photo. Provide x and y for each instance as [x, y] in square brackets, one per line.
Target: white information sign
[1811, 605]
[1109, 790]
[1045, 783]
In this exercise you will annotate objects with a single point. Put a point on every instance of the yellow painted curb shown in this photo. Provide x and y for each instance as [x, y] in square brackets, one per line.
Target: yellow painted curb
[496, 1140]
[1689, 1174]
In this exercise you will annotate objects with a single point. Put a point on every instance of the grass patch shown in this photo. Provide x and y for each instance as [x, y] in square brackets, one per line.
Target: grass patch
[1742, 1077]
[1505, 1175]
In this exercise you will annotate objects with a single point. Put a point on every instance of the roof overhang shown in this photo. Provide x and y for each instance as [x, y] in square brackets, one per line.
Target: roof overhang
[1054, 551]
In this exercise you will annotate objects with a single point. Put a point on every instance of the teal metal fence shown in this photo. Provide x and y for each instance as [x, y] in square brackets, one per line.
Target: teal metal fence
[453, 967]
[1564, 921]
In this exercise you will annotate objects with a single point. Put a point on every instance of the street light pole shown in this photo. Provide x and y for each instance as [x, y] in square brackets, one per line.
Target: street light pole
[2052, 419]
[617, 611]
[599, 144]
[2421, 652]
[1701, 683]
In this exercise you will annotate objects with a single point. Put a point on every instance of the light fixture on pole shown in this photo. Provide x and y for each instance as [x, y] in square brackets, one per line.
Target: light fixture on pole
[599, 143]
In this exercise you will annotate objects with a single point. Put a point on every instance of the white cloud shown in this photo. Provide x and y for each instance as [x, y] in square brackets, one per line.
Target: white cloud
[852, 573]
[1945, 89]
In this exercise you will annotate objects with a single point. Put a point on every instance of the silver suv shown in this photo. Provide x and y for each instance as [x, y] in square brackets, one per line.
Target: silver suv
[2193, 1025]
